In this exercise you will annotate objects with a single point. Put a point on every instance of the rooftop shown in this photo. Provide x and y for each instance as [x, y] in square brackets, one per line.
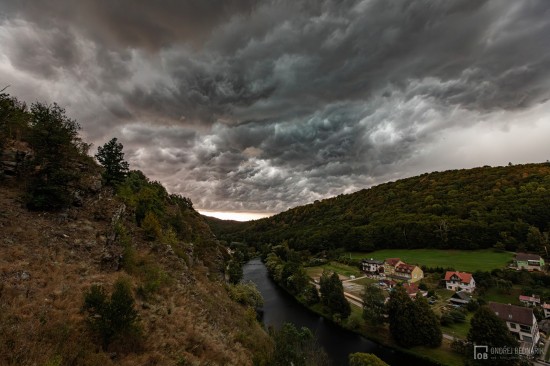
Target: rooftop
[513, 313]
[527, 257]
[372, 261]
[463, 276]
[405, 268]
[392, 261]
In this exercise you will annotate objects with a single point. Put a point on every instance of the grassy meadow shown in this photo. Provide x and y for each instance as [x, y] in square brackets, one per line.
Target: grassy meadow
[460, 260]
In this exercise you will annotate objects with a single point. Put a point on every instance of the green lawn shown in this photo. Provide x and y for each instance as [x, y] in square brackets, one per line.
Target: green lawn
[459, 330]
[461, 260]
[495, 295]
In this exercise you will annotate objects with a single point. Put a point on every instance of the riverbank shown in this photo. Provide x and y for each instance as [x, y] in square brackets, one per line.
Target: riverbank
[442, 355]
[280, 307]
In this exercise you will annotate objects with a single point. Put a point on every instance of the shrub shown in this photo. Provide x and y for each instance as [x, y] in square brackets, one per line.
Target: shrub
[114, 317]
[246, 294]
[365, 359]
[151, 227]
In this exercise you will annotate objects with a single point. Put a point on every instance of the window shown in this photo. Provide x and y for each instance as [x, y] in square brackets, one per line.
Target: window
[525, 328]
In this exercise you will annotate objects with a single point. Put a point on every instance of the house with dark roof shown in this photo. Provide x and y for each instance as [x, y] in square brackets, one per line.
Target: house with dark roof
[460, 281]
[529, 262]
[521, 322]
[372, 266]
[460, 298]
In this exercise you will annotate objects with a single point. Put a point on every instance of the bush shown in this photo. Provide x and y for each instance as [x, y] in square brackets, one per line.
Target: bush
[114, 317]
[446, 319]
[246, 294]
[151, 227]
[365, 359]
[458, 316]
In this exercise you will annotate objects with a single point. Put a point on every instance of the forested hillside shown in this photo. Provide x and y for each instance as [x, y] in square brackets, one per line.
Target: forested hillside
[504, 207]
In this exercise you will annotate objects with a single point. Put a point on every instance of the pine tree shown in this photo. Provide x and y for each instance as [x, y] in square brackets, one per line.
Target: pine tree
[401, 311]
[373, 304]
[56, 144]
[113, 317]
[412, 323]
[427, 324]
[111, 157]
[332, 295]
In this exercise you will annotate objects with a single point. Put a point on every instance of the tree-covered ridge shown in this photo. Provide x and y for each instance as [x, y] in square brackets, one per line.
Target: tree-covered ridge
[464, 209]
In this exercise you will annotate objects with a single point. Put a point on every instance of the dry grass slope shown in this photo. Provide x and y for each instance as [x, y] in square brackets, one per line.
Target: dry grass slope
[48, 261]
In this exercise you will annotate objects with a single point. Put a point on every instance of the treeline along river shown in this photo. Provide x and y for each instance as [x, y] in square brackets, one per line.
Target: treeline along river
[280, 307]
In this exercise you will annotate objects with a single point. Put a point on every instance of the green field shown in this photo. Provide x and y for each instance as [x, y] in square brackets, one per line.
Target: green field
[460, 260]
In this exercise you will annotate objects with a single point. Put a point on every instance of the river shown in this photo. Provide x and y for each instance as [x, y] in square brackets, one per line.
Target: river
[280, 307]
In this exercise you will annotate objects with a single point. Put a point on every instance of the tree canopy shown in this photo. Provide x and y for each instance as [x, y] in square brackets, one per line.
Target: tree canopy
[332, 295]
[373, 304]
[412, 323]
[57, 146]
[458, 209]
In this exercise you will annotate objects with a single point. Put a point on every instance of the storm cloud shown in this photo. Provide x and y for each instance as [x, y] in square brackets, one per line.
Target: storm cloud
[259, 106]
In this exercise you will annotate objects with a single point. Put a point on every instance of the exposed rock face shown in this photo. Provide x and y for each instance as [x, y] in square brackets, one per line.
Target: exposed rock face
[13, 159]
[111, 256]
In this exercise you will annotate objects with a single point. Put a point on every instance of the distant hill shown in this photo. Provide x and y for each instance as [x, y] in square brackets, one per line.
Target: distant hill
[507, 207]
[225, 226]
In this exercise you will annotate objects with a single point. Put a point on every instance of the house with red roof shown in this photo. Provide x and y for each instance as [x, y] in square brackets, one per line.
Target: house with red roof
[399, 270]
[546, 308]
[460, 281]
[412, 289]
[532, 300]
[390, 264]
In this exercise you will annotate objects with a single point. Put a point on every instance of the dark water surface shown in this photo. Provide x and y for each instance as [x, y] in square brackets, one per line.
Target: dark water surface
[280, 307]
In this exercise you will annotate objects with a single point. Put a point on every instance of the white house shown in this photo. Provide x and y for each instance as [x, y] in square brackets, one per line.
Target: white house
[372, 266]
[460, 281]
[521, 322]
[546, 308]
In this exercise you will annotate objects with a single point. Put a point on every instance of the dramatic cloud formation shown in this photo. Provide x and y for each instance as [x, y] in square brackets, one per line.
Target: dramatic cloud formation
[258, 106]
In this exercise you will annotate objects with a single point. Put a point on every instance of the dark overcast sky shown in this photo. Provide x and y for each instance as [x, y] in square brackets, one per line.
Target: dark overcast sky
[258, 106]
